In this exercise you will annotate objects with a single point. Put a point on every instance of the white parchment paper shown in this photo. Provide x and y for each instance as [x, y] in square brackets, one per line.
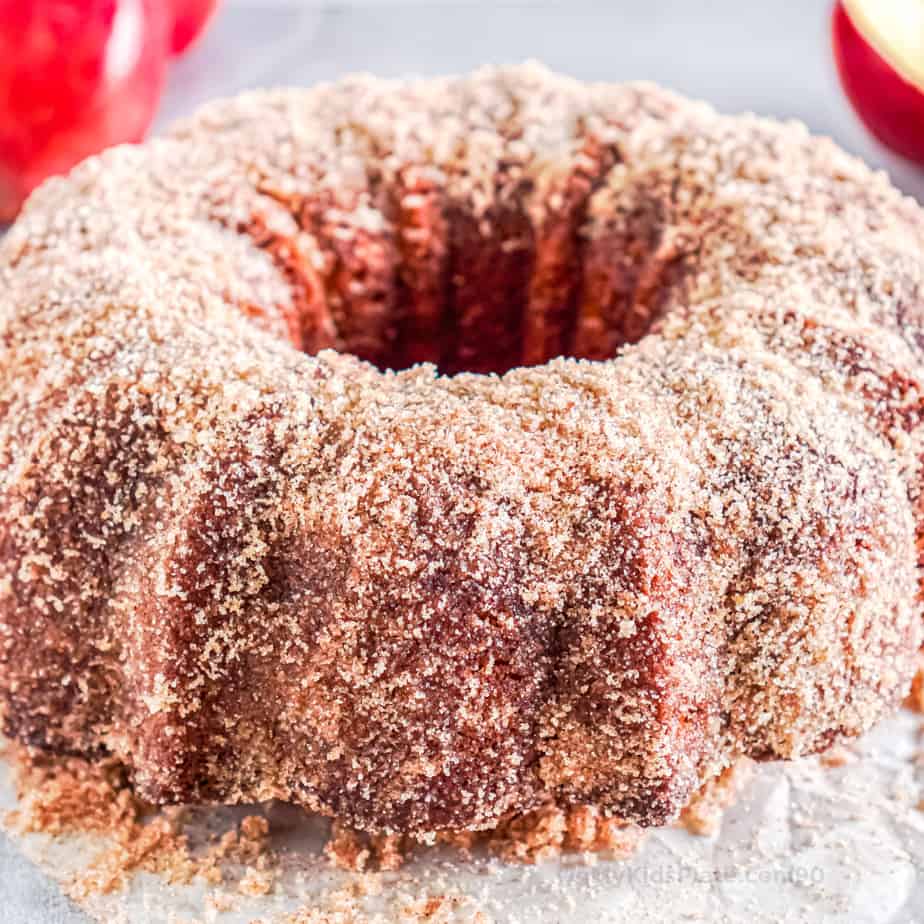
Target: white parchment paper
[804, 842]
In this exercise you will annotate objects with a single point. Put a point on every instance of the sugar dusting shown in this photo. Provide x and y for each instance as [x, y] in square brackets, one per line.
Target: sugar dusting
[421, 603]
[804, 840]
[68, 796]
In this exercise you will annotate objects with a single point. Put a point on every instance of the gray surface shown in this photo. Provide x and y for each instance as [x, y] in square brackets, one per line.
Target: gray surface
[772, 58]
[26, 895]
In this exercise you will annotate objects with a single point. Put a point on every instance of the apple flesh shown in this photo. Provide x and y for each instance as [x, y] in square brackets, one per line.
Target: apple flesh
[76, 76]
[879, 52]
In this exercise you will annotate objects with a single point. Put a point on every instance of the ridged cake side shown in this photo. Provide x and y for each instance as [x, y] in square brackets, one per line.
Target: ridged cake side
[418, 601]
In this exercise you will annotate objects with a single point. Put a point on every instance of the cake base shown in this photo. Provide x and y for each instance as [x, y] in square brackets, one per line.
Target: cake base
[780, 847]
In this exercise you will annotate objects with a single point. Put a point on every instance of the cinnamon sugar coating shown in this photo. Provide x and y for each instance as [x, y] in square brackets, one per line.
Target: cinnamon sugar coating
[246, 563]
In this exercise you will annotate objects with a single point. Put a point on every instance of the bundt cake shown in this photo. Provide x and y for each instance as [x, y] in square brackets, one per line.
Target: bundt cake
[417, 451]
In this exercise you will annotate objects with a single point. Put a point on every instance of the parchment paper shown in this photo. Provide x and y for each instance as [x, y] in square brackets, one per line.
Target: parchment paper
[804, 842]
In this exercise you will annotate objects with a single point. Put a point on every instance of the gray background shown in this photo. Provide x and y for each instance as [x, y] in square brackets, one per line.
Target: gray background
[769, 57]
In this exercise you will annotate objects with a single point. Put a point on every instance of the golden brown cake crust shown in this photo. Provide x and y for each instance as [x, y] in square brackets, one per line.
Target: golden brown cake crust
[418, 601]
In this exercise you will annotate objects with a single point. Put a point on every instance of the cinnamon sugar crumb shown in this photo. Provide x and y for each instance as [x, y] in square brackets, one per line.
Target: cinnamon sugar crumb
[581, 828]
[531, 837]
[528, 838]
[346, 850]
[535, 837]
[703, 814]
[435, 909]
[347, 906]
[60, 796]
[219, 902]
[154, 847]
[355, 851]
[915, 698]
[245, 845]
[388, 852]
[256, 882]
[836, 756]
[56, 797]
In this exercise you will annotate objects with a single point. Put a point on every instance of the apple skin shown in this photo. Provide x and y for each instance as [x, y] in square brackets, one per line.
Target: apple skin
[891, 107]
[61, 98]
[190, 17]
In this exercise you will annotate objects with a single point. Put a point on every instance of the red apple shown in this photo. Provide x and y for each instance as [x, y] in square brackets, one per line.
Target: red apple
[76, 76]
[879, 50]
[189, 20]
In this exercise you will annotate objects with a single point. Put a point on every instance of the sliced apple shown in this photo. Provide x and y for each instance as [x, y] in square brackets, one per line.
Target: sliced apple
[75, 77]
[190, 18]
[879, 50]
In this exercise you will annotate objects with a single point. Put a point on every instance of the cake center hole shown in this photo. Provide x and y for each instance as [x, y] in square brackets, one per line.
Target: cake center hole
[481, 295]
